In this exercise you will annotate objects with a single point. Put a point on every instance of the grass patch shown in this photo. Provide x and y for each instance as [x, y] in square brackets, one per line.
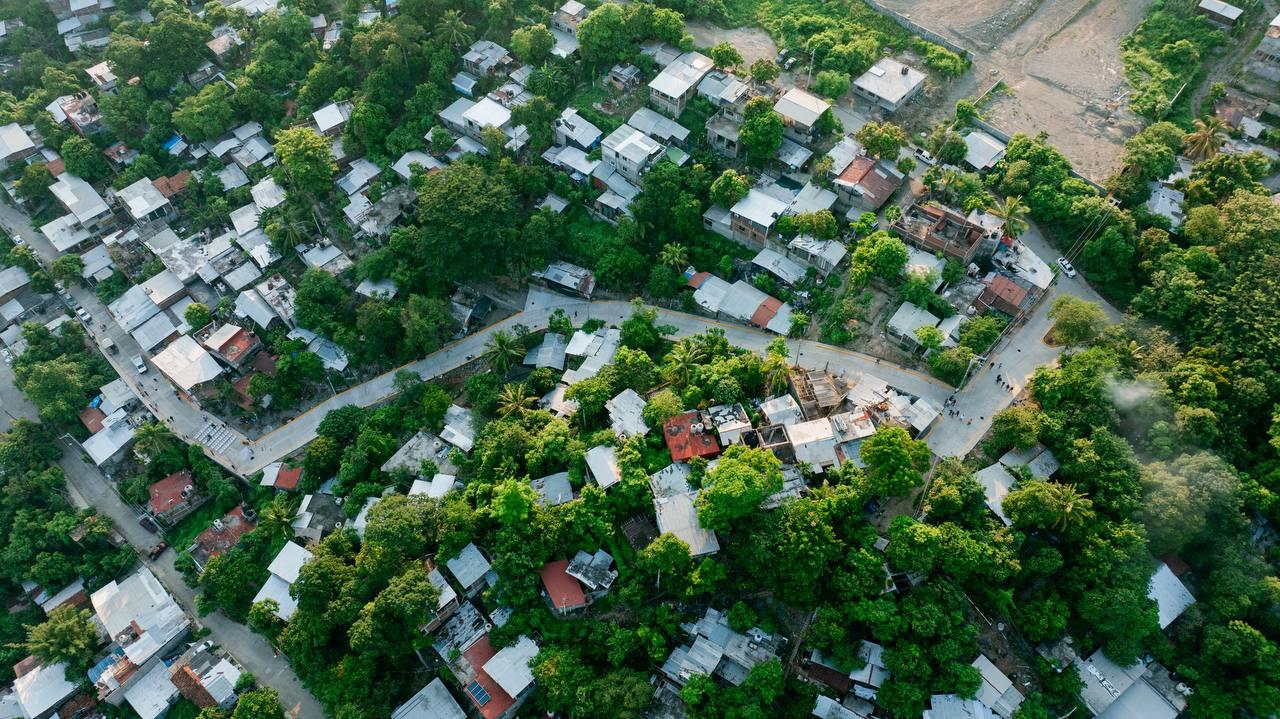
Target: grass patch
[184, 709]
[1165, 55]
[185, 531]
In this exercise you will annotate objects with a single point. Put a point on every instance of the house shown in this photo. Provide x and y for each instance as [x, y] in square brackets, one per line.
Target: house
[331, 118]
[658, 126]
[82, 112]
[753, 218]
[674, 504]
[324, 255]
[1038, 460]
[865, 185]
[553, 489]
[983, 151]
[87, 213]
[431, 702]
[574, 130]
[687, 436]
[889, 84]
[144, 623]
[319, 515]
[115, 434]
[996, 483]
[548, 354]
[824, 707]
[868, 680]
[173, 497]
[630, 151]
[15, 144]
[626, 414]
[597, 350]
[602, 465]
[572, 161]
[187, 364]
[405, 165]
[1169, 593]
[102, 77]
[904, 323]
[283, 572]
[13, 280]
[740, 301]
[593, 571]
[362, 173]
[940, 229]
[1218, 12]
[205, 678]
[40, 689]
[230, 343]
[725, 91]
[1166, 202]
[144, 202]
[1006, 295]
[563, 593]
[440, 485]
[717, 650]
[822, 255]
[997, 691]
[800, 112]
[1265, 60]
[568, 279]
[618, 193]
[486, 58]
[458, 428]
[624, 76]
[813, 442]
[569, 16]
[133, 308]
[784, 269]
[953, 706]
[153, 693]
[1148, 691]
[672, 89]
[470, 569]
[224, 43]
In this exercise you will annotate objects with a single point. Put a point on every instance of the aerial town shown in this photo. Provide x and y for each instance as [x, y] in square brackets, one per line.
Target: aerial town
[609, 359]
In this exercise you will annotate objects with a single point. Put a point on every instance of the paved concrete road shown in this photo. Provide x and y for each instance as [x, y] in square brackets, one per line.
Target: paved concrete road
[13, 403]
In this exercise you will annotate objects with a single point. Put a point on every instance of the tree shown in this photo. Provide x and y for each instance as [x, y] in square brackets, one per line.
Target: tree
[604, 36]
[831, 84]
[306, 160]
[641, 330]
[502, 351]
[427, 323]
[981, 332]
[729, 187]
[514, 399]
[368, 127]
[452, 29]
[1017, 426]
[1206, 139]
[35, 181]
[66, 269]
[533, 43]
[170, 39]
[1014, 213]
[1187, 496]
[1076, 321]
[1043, 504]
[674, 255]
[84, 160]
[879, 254]
[205, 115]
[513, 502]
[737, 485]
[725, 56]
[467, 221]
[262, 703]
[761, 132]
[197, 315]
[765, 70]
[929, 337]
[57, 387]
[67, 635]
[895, 462]
[883, 140]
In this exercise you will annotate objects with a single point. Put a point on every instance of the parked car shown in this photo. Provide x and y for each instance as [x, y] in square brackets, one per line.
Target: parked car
[109, 345]
[18, 241]
[782, 56]
[83, 314]
[146, 523]
[7, 355]
[139, 365]
[924, 156]
[1067, 268]
[157, 550]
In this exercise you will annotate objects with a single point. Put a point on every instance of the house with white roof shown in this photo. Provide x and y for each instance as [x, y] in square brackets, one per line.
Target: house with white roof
[1169, 593]
[997, 691]
[431, 702]
[102, 77]
[15, 144]
[283, 571]
[630, 151]
[575, 130]
[153, 693]
[404, 166]
[675, 506]
[331, 118]
[658, 126]
[40, 689]
[469, 568]
[602, 465]
[439, 485]
[906, 320]
[87, 213]
[672, 89]
[889, 84]
[752, 220]
[822, 255]
[459, 429]
[626, 414]
[485, 58]
[982, 150]
[143, 621]
[800, 112]
[1166, 202]
[996, 483]
[187, 364]
[814, 442]
[783, 268]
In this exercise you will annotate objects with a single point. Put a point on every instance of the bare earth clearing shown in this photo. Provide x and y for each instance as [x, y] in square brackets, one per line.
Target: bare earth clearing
[1059, 58]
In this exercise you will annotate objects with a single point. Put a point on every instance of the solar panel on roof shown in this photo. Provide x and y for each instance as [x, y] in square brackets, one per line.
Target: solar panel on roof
[478, 693]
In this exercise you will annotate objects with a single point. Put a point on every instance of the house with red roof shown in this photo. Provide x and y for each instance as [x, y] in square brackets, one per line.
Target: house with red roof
[563, 592]
[173, 497]
[224, 534]
[689, 435]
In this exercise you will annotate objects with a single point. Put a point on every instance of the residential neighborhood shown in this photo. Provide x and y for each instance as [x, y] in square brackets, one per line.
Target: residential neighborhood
[639, 360]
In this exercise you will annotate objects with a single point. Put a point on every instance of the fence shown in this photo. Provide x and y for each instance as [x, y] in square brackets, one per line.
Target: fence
[917, 29]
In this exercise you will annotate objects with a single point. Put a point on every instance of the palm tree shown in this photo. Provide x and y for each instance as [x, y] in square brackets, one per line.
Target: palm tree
[153, 439]
[503, 351]
[776, 373]
[453, 29]
[1205, 141]
[682, 361]
[276, 520]
[674, 255]
[288, 231]
[1072, 508]
[514, 399]
[1014, 213]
